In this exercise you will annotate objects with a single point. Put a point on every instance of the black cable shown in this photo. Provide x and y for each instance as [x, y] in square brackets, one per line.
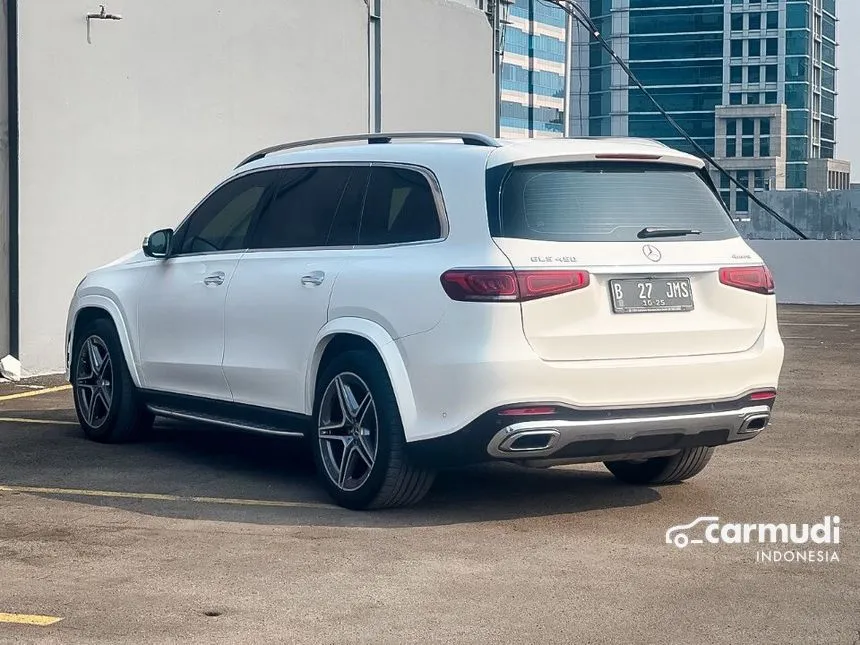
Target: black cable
[577, 13]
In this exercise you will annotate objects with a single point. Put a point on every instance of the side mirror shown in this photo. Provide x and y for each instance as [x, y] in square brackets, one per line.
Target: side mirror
[158, 244]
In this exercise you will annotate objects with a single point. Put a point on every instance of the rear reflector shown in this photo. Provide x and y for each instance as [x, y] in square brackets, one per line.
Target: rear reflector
[491, 285]
[527, 412]
[765, 395]
[757, 279]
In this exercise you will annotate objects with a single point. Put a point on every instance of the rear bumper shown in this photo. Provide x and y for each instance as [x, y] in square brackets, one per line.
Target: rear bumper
[580, 436]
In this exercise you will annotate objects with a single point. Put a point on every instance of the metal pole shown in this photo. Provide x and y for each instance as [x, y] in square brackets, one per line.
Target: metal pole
[568, 64]
[497, 62]
[374, 66]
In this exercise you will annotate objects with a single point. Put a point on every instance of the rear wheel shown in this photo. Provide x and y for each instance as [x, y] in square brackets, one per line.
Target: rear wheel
[359, 447]
[662, 470]
[107, 403]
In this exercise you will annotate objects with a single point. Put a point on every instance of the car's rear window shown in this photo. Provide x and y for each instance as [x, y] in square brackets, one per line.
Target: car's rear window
[608, 201]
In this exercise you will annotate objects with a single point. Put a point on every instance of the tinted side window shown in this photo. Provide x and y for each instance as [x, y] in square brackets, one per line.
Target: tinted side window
[313, 207]
[399, 207]
[221, 222]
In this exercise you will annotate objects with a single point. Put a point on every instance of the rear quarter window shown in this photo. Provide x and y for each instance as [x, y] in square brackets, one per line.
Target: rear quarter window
[608, 201]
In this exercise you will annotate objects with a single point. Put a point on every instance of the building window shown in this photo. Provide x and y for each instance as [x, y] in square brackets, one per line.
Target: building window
[748, 147]
[754, 48]
[753, 98]
[755, 22]
[773, 20]
[759, 179]
[737, 48]
[735, 98]
[754, 75]
[770, 98]
[770, 74]
[764, 147]
[764, 127]
[732, 147]
[742, 202]
[736, 74]
[732, 127]
[737, 22]
[748, 127]
[772, 47]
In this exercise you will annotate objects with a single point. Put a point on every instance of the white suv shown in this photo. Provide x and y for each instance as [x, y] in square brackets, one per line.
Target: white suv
[419, 300]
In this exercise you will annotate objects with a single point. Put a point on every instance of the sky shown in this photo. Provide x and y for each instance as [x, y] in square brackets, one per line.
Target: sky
[848, 85]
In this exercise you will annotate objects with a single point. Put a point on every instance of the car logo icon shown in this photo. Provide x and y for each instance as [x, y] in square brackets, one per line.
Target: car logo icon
[677, 535]
[652, 253]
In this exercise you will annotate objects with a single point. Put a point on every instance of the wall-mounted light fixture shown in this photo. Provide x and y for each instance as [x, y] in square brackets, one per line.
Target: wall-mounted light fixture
[101, 15]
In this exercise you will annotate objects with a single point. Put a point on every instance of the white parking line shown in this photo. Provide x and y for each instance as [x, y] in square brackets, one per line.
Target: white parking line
[82, 492]
[46, 422]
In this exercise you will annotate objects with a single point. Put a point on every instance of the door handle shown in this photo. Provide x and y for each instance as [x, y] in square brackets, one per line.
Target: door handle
[313, 279]
[214, 280]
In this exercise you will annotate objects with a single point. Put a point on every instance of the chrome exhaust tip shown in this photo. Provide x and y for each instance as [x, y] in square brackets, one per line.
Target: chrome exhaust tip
[530, 441]
[754, 423]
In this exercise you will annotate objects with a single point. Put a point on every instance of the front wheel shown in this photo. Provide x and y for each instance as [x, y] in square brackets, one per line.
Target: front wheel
[106, 402]
[662, 470]
[359, 446]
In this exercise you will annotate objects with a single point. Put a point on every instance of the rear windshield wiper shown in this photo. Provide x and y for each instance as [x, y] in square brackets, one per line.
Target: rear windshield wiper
[666, 232]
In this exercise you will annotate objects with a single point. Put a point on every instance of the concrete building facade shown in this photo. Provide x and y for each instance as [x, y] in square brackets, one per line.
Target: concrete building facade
[118, 127]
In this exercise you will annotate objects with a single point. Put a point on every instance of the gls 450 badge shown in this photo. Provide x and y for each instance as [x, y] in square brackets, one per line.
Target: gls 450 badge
[548, 259]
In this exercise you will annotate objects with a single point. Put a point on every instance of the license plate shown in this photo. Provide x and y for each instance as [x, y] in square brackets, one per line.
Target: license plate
[643, 295]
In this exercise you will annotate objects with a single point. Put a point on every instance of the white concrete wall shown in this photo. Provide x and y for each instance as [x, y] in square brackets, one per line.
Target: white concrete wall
[437, 67]
[124, 135]
[813, 272]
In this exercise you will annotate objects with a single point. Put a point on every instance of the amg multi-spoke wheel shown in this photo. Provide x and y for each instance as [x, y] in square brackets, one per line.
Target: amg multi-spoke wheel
[359, 446]
[93, 380]
[348, 431]
[106, 401]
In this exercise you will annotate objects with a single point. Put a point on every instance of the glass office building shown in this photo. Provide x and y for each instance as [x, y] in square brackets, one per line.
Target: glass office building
[752, 81]
[534, 90]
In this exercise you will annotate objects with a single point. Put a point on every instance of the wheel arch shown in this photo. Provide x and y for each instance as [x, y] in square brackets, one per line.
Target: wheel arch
[357, 333]
[91, 307]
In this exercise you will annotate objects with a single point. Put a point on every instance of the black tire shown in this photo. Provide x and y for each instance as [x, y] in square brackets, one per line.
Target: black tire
[662, 470]
[125, 418]
[392, 480]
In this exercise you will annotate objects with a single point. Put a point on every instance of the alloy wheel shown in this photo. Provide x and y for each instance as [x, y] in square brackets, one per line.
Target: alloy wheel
[348, 431]
[94, 381]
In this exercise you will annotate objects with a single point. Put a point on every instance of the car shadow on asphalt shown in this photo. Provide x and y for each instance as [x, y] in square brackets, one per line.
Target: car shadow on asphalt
[186, 460]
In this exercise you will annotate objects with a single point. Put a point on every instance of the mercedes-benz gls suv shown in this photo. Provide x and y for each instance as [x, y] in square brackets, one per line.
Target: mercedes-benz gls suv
[407, 302]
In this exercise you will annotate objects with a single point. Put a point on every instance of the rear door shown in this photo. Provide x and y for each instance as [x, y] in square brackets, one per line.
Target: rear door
[279, 297]
[653, 238]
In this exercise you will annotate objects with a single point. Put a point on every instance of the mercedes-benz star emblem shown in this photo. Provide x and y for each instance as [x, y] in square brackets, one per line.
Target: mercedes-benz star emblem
[652, 253]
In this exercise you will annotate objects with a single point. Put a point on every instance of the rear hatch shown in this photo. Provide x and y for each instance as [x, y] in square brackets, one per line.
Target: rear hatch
[668, 274]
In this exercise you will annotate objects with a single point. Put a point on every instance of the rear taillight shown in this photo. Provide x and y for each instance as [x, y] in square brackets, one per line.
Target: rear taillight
[757, 278]
[492, 285]
[763, 395]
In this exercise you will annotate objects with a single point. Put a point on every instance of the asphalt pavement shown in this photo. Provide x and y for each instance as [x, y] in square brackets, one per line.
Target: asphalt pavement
[200, 535]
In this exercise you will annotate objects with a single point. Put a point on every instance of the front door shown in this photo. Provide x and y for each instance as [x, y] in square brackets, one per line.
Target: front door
[181, 309]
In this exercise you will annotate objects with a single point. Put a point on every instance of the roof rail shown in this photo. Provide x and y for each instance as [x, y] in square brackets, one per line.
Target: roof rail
[468, 138]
